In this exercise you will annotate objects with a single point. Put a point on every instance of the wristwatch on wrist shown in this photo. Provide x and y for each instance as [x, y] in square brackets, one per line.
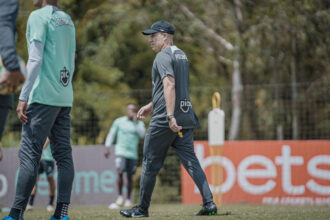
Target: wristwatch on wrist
[169, 117]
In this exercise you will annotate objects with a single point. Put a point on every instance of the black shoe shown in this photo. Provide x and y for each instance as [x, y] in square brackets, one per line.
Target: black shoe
[208, 209]
[135, 212]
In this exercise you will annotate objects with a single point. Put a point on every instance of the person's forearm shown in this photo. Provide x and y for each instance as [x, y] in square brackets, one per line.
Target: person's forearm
[7, 49]
[33, 68]
[110, 139]
[46, 144]
[149, 106]
[8, 14]
[169, 94]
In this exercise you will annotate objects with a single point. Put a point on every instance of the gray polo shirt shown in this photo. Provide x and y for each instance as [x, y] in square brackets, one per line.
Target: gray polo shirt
[172, 61]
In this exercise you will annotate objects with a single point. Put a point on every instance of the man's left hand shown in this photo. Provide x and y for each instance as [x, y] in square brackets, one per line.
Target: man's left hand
[21, 111]
[174, 126]
[107, 152]
[11, 80]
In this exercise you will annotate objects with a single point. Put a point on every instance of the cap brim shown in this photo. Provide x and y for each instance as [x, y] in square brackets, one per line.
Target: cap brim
[149, 32]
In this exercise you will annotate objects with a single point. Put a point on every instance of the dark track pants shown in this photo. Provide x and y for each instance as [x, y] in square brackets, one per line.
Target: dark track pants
[3, 118]
[45, 121]
[156, 144]
[6, 103]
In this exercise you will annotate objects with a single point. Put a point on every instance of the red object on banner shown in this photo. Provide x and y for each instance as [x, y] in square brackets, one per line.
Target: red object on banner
[266, 172]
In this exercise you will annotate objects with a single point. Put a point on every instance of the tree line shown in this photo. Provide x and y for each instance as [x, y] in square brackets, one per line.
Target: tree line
[231, 45]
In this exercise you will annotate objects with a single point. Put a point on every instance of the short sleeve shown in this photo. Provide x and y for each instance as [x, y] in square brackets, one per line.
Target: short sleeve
[164, 65]
[36, 28]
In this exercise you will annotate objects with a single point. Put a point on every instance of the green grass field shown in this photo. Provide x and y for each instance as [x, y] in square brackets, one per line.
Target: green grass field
[186, 212]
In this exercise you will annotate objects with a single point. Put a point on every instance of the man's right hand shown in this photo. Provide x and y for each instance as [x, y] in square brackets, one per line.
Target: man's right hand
[174, 126]
[21, 111]
[144, 111]
[107, 152]
[11, 80]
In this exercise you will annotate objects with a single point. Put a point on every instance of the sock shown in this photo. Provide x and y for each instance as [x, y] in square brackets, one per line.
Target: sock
[61, 210]
[15, 213]
[31, 200]
[51, 200]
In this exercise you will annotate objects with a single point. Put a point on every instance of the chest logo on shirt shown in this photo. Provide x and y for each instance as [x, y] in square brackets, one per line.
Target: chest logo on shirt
[65, 77]
[185, 105]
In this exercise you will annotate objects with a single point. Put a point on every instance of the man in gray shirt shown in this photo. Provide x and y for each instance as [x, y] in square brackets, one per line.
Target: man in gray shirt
[172, 122]
[13, 76]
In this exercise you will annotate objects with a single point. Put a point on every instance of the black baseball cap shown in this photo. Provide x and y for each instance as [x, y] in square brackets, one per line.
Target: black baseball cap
[160, 26]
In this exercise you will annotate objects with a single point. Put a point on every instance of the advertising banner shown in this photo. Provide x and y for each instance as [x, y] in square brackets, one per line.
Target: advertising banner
[94, 182]
[266, 172]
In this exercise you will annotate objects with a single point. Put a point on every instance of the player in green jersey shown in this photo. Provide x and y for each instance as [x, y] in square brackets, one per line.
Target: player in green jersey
[47, 166]
[126, 130]
[45, 103]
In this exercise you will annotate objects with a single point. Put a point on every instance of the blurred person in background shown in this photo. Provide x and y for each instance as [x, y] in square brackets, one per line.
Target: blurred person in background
[4, 108]
[12, 76]
[47, 166]
[126, 130]
[45, 103]
[172, 113]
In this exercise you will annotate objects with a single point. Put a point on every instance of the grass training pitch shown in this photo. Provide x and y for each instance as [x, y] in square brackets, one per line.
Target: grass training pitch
[186, 212]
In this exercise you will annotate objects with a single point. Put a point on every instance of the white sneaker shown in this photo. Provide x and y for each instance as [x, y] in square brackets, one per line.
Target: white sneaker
[29, 207]
[128, 203]
[120, 201]
[114, 206]
[50, 208]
